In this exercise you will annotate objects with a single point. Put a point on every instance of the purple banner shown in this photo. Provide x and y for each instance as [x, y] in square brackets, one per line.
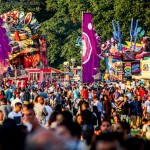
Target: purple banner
[90, 49]
[4, 44]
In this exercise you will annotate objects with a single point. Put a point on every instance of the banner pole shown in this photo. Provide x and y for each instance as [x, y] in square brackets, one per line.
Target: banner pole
[81, 78]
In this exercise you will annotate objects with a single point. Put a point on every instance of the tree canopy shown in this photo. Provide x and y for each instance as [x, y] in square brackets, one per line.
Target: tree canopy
[61, 21]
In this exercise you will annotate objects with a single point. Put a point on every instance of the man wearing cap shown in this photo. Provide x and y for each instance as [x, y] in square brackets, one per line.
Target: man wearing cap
[17, 100]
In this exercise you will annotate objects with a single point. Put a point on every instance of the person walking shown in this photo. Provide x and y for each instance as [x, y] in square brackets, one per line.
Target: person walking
[147, 108]
[125, 109]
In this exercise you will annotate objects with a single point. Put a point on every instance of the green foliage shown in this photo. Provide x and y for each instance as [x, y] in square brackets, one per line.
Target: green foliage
[102, 65]
[61, 22]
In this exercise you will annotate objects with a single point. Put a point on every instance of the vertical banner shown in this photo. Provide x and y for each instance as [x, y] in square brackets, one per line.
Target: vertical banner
[136, 68]
[90, 49]
[127, 69]
[145, 68]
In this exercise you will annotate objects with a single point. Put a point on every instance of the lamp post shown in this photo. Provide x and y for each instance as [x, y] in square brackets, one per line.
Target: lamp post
[73, 60]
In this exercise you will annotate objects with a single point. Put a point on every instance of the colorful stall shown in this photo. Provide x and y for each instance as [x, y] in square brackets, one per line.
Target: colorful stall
[46, 73]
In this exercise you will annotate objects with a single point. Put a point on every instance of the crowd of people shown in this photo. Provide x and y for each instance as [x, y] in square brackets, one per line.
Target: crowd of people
[75, 116]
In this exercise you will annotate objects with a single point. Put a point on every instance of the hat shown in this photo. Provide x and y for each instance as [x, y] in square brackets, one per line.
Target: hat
[26, 103]
[17, 100]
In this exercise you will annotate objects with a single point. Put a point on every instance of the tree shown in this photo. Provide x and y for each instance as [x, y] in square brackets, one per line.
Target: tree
[102, 65]
[61, 21]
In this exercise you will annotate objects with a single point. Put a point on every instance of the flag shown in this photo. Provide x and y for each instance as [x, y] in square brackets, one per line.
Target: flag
[90, 49]
[4, 46]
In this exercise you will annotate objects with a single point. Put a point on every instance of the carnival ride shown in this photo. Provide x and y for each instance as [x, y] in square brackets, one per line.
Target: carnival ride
[22, 48]
[28, 48]
[123, 60]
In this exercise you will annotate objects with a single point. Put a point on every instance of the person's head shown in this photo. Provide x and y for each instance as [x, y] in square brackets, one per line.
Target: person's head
[133, 99]
[3, 101]
[108, 141]
[118, 128]
[129, 91]
[68, 131]
[84, 87]
[134, 143]
[126, 129]
[23, 90]
[141, 88]
[138, 98]
[18, 107]
[95, 98]
[17, 96]
[97, 131]
[1, 116]
[79, 119]
[1, 92]
[58, 108]
[144, 121]
[64, 116]
[24, 109]
[5, 87]
[84, 106]
[87, 133]
[106, 126]
[125, 98]
[149, 97]
[40, 100]
[95, 109]
[148, 122]
[116, 118]
[105, 97]
[32, 90]
[29, 112]
[53, 117]
[9, 103]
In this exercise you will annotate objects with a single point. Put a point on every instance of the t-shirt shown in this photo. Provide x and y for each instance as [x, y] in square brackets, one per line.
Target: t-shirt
[123, 86]
[125, 108]
[76, 94]
[15, 116]
[141, 93]
[6, 110]
[49, 111]
[146, 128]
[129, 95]
[40, 112]
[90, 95]
[99, 105]
[117, 95]
[147, 105]
[85, 94]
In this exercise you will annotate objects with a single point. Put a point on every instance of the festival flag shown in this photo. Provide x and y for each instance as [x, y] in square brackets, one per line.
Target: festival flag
[4, 47]
[90, 49]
